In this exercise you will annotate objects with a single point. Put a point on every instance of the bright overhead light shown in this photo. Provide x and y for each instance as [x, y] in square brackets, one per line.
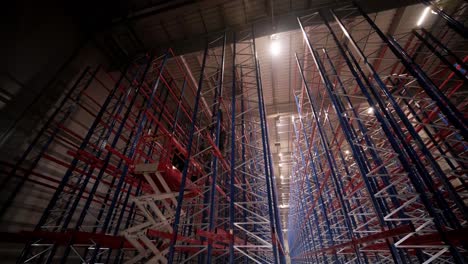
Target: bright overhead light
[423, 16]
[346, 152]
[280, 154]
[275, 47]
[281, 177]
[281, 165]
[370, 110]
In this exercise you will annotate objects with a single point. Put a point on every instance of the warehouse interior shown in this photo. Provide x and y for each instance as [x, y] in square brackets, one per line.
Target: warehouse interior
[211, 131]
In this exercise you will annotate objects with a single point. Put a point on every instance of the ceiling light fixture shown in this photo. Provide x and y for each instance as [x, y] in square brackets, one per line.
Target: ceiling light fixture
[423, 16]
[275, 47]
[370, 110]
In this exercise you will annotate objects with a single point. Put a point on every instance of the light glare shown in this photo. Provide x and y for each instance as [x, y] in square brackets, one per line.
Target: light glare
[423, 16]
[274, 48]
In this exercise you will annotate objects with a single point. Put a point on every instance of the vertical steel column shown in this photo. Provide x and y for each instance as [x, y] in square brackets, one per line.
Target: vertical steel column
[348, 132]
[415, 181]
[330, 160]
[232, 189]
[381, 207]
[73, 164]
[90, 172]
[50, 138]
[139, 131]
[128, 192]
[437, 170]
[243, 152]
[217, 111]
[107, 158]
[450, 65]
[450, 111]
[187, 161]
[178, 106]
[278, 239]
[265, 158]
[131, 216]
[308, 181]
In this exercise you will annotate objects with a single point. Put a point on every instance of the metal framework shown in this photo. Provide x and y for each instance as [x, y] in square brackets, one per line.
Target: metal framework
[170, 170]
[380, 142]
[162, 164]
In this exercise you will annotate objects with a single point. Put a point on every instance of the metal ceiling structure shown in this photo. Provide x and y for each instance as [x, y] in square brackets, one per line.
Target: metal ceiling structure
[184, 25]
[345, 145]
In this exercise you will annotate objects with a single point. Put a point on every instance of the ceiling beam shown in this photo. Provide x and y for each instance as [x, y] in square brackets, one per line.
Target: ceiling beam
[263, 26]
